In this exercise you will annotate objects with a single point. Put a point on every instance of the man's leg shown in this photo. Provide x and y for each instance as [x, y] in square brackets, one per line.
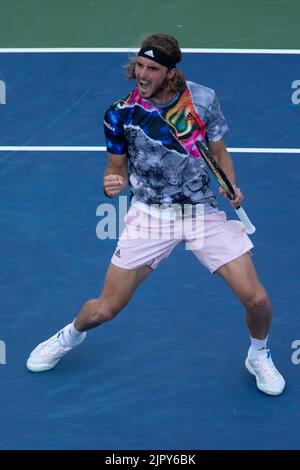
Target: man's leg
[119, 286]
[241, 276]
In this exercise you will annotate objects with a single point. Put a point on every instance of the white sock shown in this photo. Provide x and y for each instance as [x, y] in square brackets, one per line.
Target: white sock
[258, 347]
[70, 334]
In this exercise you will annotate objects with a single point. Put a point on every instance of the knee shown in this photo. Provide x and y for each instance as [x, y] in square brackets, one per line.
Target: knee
[102, 311]
[258, 301]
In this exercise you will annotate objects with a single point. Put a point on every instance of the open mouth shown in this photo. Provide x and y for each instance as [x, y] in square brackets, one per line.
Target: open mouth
[144, 86]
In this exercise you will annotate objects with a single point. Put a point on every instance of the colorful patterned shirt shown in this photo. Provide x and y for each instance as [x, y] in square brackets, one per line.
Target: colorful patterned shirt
[164, 164]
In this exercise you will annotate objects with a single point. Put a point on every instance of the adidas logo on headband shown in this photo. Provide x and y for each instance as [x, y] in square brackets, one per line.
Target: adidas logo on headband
[149, 53]
[158, 56]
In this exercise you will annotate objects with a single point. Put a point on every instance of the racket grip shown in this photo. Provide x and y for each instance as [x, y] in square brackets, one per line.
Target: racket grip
[246, 221]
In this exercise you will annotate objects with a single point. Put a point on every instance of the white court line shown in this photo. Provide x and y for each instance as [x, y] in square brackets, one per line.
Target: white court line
[55, 148]
[123, 49]
[262, 150]
[103, 149]
[134, 49]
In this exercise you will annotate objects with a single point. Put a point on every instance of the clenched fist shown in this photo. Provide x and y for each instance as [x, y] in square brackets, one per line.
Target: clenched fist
[113, 185]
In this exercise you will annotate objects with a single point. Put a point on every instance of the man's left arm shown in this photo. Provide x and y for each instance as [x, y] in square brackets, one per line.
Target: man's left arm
[222, 156]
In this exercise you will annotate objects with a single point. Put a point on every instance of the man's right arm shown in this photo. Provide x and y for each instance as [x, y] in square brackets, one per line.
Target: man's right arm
[116, 174]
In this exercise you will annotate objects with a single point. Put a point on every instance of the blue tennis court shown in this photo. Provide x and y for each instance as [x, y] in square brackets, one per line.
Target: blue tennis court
[169, 372]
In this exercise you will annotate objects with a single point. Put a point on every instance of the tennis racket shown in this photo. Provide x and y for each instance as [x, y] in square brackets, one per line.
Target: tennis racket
[225, 184]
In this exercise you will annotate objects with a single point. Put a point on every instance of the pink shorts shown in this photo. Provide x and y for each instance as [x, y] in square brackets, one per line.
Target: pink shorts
[213, 239]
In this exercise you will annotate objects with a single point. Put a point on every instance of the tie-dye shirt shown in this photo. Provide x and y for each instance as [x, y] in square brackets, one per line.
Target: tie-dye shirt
[164, 164]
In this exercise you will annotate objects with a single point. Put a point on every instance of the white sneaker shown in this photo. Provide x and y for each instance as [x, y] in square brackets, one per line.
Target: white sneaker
[268, 379]
[47, 354]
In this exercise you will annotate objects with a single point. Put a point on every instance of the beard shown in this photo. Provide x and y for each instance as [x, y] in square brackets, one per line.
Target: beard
[155, 91]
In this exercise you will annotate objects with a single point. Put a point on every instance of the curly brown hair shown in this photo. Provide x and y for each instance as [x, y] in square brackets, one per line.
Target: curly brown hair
[169, 45]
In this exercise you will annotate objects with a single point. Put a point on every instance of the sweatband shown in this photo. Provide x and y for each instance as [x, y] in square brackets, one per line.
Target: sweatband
[157, 56]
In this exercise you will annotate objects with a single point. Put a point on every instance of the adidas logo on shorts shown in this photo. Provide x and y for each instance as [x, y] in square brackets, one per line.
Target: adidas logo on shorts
[118, 253]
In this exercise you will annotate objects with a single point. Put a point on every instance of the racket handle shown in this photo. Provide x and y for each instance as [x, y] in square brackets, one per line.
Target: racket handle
[246, 221]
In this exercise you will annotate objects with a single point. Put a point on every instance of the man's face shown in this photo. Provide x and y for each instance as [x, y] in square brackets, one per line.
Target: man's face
[152, 79]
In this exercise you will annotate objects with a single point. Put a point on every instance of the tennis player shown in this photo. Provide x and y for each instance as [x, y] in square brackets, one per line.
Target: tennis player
[151, 138]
